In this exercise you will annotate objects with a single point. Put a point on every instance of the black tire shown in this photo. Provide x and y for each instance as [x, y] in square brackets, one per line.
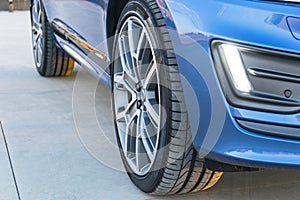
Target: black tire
[177, 167]
[52, 61]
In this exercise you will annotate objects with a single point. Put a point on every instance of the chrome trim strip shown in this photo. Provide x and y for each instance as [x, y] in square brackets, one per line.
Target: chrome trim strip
[64, 31]
[263, 73]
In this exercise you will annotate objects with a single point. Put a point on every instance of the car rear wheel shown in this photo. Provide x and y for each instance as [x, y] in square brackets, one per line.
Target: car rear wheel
[49, 59]
[150, 116]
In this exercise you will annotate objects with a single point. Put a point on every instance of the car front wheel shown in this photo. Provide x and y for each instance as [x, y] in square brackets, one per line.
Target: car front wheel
[150, 115]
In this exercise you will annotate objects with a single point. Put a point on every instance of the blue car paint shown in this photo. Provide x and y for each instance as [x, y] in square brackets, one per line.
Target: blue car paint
[257, 23]
[294, 26]
[193, 25]
[88, 18]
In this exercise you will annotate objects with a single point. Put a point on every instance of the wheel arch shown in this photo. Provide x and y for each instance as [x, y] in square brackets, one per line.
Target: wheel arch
[114, 10]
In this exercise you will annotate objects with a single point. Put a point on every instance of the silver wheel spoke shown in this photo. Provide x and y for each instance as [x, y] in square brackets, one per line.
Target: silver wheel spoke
[40, 51]
[145, 149]
[141, 49]
[126, 59]
[151, 103]
[152, 110]
[39, 15]
[141, 43]
[37, 55]
[35, 25]
[148, 138]
[131, 38]
[125, 111]
[135, 33]
[36, 40]
[150, 74]
[138, 153]
[37, 32]
[131, 133]
[123, 84]
[124, 108]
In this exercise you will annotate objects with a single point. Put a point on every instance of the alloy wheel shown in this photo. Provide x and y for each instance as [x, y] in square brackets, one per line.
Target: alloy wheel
[37, 32]
[137, 95]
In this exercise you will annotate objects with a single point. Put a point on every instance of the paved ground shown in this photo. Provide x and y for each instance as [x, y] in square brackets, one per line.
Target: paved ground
[59, 146]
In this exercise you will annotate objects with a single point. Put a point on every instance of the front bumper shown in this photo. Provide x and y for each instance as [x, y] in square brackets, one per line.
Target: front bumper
[242, 147]
[222, 131]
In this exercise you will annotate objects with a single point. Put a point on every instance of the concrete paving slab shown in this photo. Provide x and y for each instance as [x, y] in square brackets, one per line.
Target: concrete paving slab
[8, 188]
[62, 142]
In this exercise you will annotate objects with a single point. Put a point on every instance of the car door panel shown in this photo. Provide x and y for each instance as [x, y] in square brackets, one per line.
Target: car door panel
[86, 20]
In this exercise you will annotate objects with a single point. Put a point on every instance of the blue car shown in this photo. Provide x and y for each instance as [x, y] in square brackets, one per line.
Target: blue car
[198, 87]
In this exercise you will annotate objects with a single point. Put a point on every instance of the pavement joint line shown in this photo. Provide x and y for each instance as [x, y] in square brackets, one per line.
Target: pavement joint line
[10, 161]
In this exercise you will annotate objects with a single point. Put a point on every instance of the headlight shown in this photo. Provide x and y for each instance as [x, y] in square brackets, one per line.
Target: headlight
[257, 78]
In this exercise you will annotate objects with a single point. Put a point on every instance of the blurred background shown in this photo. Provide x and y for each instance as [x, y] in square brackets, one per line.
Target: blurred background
[17, 4]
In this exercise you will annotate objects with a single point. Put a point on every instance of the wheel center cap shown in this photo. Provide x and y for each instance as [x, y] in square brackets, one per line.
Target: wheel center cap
[141, 98]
